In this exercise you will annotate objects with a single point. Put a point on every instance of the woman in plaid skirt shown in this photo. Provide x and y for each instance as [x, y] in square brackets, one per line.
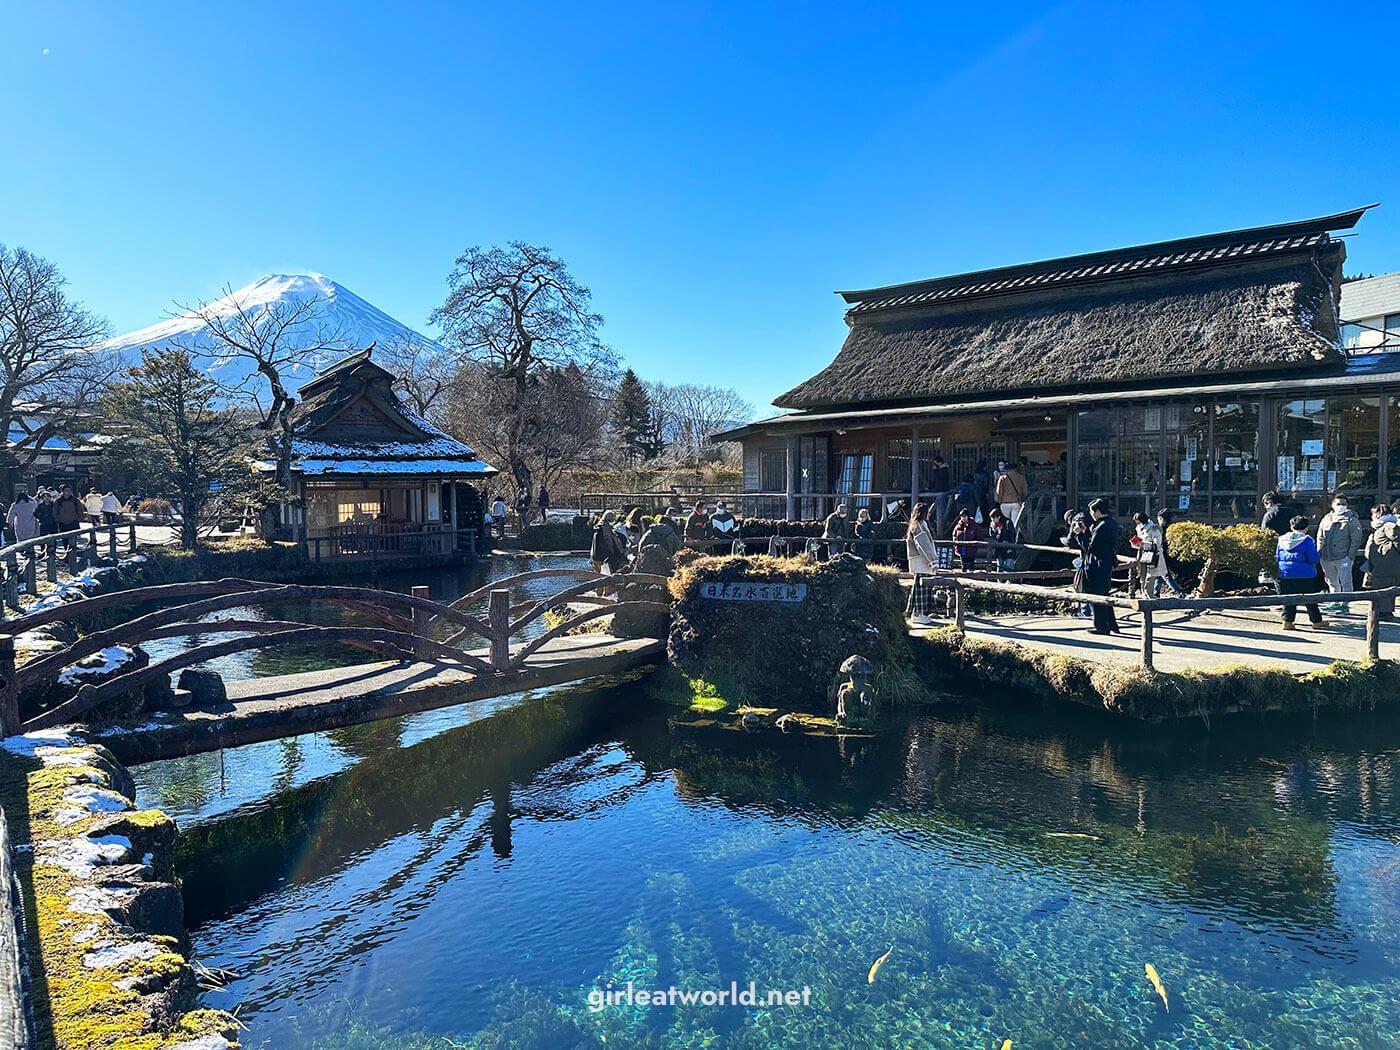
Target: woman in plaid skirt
[918, 545]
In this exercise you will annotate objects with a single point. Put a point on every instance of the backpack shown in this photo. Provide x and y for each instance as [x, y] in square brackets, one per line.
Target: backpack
[1385, 551]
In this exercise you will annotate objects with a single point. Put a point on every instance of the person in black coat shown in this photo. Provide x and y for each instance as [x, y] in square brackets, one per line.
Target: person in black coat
[1100, 557]
[1278, 512]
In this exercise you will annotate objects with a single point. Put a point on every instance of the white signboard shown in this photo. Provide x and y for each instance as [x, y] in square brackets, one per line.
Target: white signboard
[754, 592]
[1312, 448]
[1285, 472]
[1193, 448]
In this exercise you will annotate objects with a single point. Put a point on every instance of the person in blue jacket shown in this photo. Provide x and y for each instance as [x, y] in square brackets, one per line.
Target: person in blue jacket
[1298, 567]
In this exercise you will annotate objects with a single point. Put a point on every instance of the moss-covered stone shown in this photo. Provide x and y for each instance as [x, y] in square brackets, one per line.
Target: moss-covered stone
[784, 652]
[104, 976]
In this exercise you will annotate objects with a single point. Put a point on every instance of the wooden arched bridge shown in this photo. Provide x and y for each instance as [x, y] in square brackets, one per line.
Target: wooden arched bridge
[438, 654]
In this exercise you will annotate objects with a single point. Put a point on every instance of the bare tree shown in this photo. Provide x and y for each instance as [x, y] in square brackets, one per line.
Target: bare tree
[268, 338]
[558, 426]
[516, 313]
[688, 415]
[426, 373]
[49, 375]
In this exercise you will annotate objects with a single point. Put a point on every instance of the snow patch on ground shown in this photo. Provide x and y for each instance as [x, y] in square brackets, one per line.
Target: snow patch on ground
[28, 744]
[98, 900]
[204, 1042]
[120, 954]
[80, 857]
[87, 933]
[84, 800]
[97, 665]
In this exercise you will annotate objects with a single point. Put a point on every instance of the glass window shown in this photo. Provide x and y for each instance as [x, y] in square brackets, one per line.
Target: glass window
[772, 470]
[898, 470]
[1392, 331]
[1302, 438]
[928, 448]
[1096, 468]
[1234, 462]
[1351, 336]
[1354, 448]
[854, 475]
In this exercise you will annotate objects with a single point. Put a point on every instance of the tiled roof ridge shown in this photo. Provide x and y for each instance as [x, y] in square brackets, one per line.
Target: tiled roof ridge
[1188, 253]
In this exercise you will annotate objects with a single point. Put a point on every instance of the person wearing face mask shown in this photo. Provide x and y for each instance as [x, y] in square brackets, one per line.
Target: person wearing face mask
[837, 530]
[1339, 537]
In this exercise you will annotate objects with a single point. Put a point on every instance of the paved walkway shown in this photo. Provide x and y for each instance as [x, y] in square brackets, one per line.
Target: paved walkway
[288, 705]
[1184, 640]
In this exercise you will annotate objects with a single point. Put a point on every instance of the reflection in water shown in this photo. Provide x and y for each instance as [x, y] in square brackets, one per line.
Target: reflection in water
[395, 886]
[444, 585]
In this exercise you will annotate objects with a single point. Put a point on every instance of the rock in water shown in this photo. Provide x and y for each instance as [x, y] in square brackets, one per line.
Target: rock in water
[206, 688]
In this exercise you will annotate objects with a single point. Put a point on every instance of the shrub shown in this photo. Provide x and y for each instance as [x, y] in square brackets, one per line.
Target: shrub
[1246, 550]
[555, 536]
[160, 508]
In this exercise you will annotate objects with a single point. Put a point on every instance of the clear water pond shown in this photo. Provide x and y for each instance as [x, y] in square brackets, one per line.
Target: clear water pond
[472, 875]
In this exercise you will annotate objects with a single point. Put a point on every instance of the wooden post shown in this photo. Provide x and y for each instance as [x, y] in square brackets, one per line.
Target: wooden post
[131, 537]
[12, 581]
[959, 607]
[1373, 632]
[420, 616]
[51, 561]
[112, 541]
[9, 696]
[498, 619]
[31, 573]
[1147, 640]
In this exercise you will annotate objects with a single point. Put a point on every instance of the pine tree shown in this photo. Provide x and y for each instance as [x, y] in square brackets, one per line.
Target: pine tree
[632, 419]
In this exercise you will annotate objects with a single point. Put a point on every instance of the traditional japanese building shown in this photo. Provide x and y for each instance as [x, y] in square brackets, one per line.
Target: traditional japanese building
[373, 477]
[1193, 375]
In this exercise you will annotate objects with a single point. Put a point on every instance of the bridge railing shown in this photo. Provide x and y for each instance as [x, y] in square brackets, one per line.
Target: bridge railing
[404, 629]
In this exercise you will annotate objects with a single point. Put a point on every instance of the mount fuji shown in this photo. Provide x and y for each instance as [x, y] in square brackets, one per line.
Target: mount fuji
[358, 322]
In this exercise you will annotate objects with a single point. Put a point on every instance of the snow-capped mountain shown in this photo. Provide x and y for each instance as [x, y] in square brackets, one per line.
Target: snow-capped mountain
[357, 322]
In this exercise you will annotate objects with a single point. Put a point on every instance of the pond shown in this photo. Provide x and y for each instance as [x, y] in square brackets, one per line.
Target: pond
[469, 877]
[444, 585]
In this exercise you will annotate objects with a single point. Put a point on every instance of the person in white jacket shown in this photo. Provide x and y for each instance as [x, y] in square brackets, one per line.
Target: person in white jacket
[92, 504]
[22, 523]
[923, 560]
[111, 508]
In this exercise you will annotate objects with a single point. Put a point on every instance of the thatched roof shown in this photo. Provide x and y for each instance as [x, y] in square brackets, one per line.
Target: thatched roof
[1245, 302]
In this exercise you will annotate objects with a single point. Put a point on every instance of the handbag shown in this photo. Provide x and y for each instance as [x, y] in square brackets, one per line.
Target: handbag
[1148, 557]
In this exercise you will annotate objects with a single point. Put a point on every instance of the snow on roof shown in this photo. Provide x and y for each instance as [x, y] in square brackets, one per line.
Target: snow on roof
[438, 448]
[322, 467]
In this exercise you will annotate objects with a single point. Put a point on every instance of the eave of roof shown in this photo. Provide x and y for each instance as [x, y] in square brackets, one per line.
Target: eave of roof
[1376, 367]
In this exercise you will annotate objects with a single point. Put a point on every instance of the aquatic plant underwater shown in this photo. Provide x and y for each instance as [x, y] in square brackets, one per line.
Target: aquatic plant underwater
[963, 879]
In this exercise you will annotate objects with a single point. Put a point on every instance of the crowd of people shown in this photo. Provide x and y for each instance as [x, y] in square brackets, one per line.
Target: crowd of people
[1326, 559]
[53, 510]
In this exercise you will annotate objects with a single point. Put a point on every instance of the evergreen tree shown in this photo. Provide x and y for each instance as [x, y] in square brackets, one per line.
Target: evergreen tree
[168, 426]
[632, 419]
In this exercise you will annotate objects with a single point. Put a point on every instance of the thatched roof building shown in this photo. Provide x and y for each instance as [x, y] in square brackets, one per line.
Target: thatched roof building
[1190, 375]
[1242, 302]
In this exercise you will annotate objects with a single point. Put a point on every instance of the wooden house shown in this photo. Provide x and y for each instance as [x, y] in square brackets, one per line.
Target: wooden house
[1192, 375]
[371, 477]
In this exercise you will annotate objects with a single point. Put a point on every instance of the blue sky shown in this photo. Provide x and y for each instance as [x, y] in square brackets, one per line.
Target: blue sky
[712, 171]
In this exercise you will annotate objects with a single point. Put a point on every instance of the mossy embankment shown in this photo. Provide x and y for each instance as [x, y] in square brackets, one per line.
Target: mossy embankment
[104, 922]
[1016, 672]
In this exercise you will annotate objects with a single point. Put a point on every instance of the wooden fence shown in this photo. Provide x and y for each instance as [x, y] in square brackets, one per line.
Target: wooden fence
[22, 562]
[958, 585]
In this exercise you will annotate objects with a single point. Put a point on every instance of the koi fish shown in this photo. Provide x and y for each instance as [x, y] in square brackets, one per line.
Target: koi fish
[1006, 1045]
[875, 966]
[1070, 835]
[1157, 984]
